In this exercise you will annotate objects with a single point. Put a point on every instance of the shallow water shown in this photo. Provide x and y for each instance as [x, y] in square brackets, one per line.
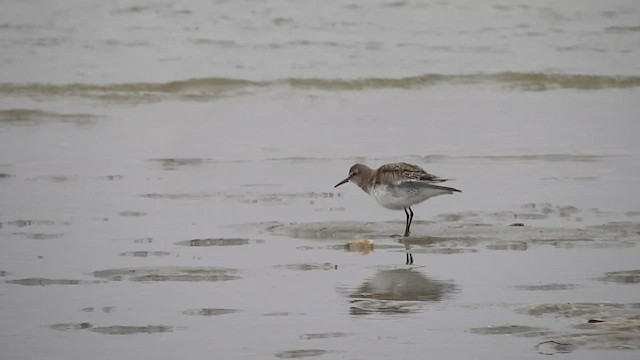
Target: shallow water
[177, 199]
[204, 248]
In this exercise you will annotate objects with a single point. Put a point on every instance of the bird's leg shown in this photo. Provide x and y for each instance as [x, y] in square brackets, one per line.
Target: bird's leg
[409, 219]
[409, 259]
[407, 247]
[407, 233]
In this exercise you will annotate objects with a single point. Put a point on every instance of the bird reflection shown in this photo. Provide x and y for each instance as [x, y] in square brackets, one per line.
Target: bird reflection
[403, 285]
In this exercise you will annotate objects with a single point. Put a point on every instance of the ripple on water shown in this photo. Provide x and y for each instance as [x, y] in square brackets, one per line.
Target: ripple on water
[214, 242]
[23, 223]
[132, 213]
[323, 335]
[45, 282]
[307, 266]
[40, 236]
[33, 117]
[622, 277]
[70, 326]
[175, 163]
[209, 312]
[508, 245]
[145, 253]
[521, 330]
[169, 273]
[283, 313]
[296, 354]
[131, 330]
[547, 287]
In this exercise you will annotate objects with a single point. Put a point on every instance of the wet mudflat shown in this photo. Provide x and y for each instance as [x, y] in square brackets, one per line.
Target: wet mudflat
[167, 172]
[215, 250]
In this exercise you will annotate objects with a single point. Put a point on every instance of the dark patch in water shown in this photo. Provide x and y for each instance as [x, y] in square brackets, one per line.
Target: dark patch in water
[40, 236]
[174, 163]
[23, 223]
[247, 197]
[56, 178]
[45, 282]
[132, 213]
[307, 266]
[279, 198]
[444, 251]
[622, 29]
[520, 330]
[622, 277]
[5, 176]
[209, 312]
[111, 177]
[573, 309]
[145, 253]
[283, 313]
[70, 326]
[625, 228]
[296, 354]
[183, 196]
[527, 157]
[3, 273]
[169, 273]
[547, 287]
[565, 243]
[214, 242]
[105, 309]
[323, 335]
[510, 245]
[131, 330]
[369, 307]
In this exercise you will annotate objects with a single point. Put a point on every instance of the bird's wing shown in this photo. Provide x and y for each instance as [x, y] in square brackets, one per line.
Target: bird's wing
[437, 189]
[399, 172]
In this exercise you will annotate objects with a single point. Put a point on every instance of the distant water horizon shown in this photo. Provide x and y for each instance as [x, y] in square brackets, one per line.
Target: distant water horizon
[333, 45]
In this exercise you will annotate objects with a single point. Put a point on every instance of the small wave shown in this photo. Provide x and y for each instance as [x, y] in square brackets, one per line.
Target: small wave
[510, 80]
[34, 117]
[212, 88]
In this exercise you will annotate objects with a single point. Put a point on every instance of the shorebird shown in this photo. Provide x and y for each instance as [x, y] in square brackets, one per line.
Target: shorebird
[398, 186]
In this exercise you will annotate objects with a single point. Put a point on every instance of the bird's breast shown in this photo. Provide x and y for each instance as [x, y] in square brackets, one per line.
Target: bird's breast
[391, 197]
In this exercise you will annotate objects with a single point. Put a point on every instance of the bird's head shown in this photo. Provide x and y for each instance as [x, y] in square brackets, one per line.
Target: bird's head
[355, 175]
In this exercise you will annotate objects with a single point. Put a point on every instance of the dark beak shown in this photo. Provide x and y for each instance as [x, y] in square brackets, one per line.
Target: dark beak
[342, 182]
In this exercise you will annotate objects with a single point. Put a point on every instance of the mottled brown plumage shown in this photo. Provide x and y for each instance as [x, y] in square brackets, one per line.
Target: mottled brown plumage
[404, 172]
